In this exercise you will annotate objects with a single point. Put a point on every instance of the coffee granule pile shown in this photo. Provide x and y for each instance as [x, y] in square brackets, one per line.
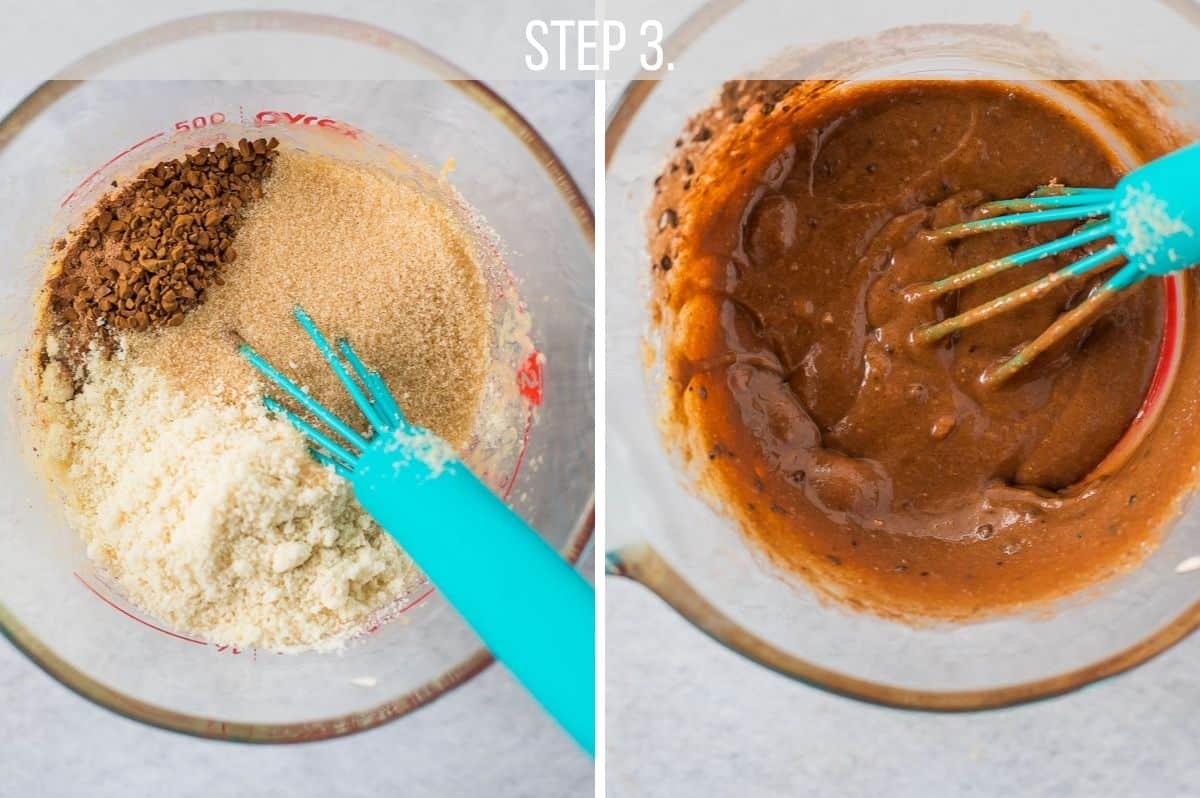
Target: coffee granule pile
[149, 252]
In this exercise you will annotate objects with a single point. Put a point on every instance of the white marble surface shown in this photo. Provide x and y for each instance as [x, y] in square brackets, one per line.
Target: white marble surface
[485, 738]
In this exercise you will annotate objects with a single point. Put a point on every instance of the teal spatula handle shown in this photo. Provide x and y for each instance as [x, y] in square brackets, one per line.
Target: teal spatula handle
[529, 606]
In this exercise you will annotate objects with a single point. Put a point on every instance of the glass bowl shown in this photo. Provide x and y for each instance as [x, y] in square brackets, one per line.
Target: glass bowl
[669, 539]
[60, 148]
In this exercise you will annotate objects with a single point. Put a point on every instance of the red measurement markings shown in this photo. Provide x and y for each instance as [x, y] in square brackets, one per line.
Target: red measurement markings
[107, 164]
[508, 486]
[529, 378]
[200, 122]
[417, 600]
[375, 626]
[263, 118]
[128, 614]
[529, 383]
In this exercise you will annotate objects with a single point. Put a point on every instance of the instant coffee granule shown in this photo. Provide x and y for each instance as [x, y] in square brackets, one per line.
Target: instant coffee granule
[149, 252]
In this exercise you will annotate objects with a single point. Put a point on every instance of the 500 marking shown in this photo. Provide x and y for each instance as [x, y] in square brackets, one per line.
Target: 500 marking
[200, 122]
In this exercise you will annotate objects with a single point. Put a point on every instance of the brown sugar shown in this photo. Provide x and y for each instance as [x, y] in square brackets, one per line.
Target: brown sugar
[370, 258]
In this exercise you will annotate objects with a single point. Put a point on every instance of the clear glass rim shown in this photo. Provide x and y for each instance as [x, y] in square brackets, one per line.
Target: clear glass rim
[371, 36]
[641, 563]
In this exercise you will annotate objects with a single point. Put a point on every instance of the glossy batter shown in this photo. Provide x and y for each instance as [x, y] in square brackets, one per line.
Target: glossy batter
[881, 468]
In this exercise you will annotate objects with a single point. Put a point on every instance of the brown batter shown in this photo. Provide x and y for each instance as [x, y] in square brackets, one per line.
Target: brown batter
[882, 469]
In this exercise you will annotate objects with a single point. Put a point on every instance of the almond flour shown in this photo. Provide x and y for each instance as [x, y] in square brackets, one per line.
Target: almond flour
[212, 517]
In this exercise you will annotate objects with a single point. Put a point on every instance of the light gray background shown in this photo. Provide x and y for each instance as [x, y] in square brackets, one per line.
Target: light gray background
[688, 718]
[486, 738]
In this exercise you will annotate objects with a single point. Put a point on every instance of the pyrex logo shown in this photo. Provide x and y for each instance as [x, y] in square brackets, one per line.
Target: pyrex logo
[263, 118]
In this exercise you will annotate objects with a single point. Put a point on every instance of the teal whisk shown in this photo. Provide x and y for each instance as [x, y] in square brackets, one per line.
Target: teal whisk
[529, 606]
[1152, 216]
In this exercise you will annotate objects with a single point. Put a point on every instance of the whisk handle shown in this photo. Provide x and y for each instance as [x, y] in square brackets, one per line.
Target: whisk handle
[529, 606]
[1156, 217]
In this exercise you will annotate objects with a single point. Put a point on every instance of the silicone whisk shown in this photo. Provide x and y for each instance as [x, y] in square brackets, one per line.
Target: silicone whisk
[528, 605]
[1152, 217]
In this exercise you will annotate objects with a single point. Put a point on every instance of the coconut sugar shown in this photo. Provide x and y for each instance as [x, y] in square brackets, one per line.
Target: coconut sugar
[370, 259]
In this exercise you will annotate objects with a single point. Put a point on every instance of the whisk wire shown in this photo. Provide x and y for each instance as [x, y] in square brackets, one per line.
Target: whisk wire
[307, 402]
[376, 385]
[335, 450]
[1126, 277]
[1037, 202]
[377, 404]
[356, 364]
[954, 282]
[329, 462]
[1070, 191]
[335, 363]
[933, 332]
[995, 223]
[378, 390]
[1061, 327]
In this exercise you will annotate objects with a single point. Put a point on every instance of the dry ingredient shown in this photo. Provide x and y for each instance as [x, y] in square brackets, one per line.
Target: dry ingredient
[372, 259]
[212, 516]
[150, 251]
[207, 512]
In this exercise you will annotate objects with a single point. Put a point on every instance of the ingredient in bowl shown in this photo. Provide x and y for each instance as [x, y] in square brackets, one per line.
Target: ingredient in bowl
[207, 512]
[878, 467]
[473, 546]
[371, 259]
[212, 516]
[149, 252]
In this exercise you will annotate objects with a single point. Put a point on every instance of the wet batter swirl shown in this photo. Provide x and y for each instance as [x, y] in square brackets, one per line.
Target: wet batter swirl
[881, 468]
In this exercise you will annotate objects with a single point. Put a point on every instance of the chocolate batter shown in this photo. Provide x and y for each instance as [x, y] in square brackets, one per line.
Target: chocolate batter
[880, 468]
